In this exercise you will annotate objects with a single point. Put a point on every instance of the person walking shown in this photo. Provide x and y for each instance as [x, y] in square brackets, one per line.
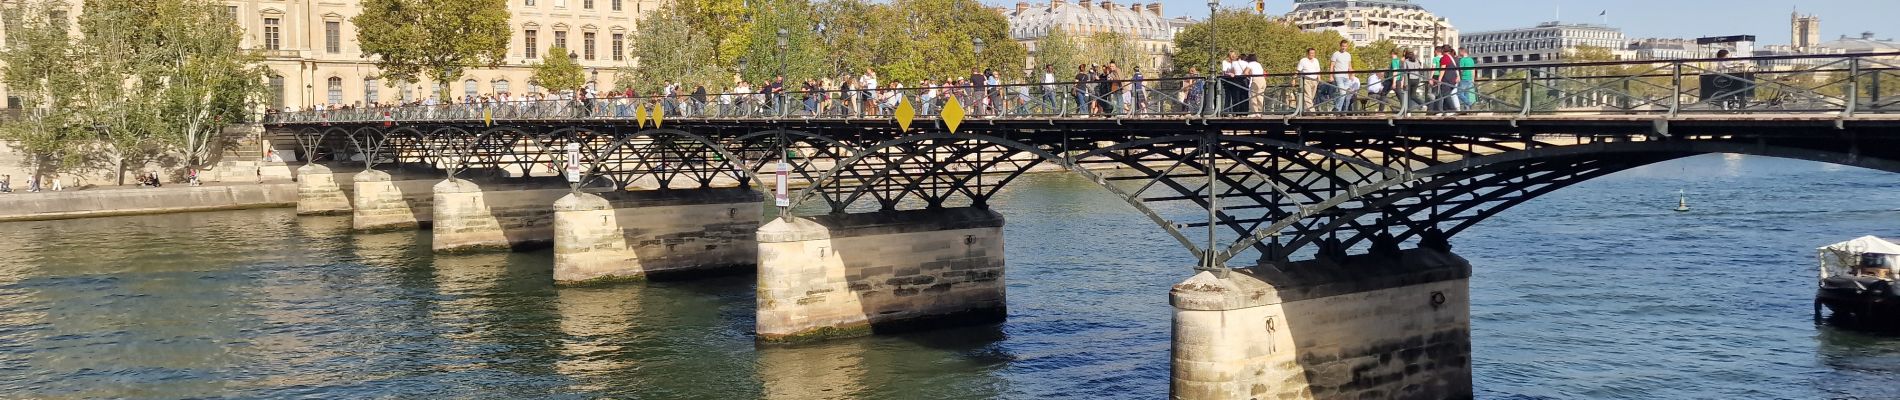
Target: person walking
[1082, 78]
[1308, 68]
[1342, 76]
[1138, 92]
[1448, 79]
[1233, 86]
[1049, 90]
[1467, 82]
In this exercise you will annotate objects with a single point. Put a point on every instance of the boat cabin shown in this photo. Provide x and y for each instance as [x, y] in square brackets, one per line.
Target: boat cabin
[1864, 257]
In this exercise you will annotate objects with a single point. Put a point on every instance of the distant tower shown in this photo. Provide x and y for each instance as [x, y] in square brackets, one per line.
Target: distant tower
[1805, 31]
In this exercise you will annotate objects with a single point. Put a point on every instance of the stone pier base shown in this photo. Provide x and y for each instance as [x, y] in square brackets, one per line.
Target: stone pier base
[321, 191]
[849, 275]
[624, 235]
[494, 215]
[1370, 327]
[385, 202]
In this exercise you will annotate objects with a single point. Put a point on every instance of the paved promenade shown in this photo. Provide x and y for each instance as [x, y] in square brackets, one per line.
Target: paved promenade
[132, 200]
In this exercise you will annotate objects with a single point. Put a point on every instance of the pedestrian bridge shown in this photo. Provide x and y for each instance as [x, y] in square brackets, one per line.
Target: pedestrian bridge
[1321, 224]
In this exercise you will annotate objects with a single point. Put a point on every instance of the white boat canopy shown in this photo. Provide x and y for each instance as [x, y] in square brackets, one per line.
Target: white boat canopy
[1865, 251]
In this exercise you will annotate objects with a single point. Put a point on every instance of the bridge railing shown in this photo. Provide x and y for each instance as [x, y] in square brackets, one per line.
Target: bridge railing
[1845, 84]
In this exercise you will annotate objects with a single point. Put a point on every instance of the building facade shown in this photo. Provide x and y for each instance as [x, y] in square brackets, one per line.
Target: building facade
[1408, 25]
[1154, 34]
[1804, 31]
[312, 49]
[1670, 49]
[1545, 43]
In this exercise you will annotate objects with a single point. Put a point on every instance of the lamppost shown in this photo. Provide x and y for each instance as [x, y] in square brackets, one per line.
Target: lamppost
[976, 47]
[779, 97]
[1209, 88]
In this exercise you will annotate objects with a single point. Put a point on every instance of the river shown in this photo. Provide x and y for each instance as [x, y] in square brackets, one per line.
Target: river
[1595, 291]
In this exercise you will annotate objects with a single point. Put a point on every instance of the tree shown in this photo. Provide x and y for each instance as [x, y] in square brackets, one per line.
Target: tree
[117, 50]
[1058, 49]
[804, 54]
[1278, 45]
[559, 72]
[199, 77]
[434, 39]
[38, 66]
[724, 22]
[1113, 46]
[666, 48]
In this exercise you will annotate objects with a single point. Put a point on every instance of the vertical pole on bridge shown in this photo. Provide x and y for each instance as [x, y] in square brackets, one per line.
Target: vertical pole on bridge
[1853, 87]
[1209, 262]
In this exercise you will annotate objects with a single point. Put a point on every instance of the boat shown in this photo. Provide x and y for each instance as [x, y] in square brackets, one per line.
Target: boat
[1858, 282]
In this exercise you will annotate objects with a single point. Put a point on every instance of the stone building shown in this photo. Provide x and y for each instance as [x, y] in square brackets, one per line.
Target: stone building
[1545, 43]
[1153, 33]
[1670, 49]
[1804, 30]
[312, 48]
[1406, 24]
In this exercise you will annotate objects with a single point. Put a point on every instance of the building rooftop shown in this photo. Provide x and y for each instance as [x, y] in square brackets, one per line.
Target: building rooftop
[1863, 44]
[1303, 5]
[1140, 21]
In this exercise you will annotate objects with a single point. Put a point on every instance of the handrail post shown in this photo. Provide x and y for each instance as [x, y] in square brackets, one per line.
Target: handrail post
[1299, 95]
[1853, 87]
[1524, 107]
[1675, 98]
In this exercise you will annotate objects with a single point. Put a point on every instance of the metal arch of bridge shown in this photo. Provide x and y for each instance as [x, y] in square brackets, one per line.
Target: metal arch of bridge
[1260, 179]
[1440, 201]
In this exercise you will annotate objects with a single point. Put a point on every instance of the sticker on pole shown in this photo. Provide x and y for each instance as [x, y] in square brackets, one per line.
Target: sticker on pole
[784, 171]
[573, 162]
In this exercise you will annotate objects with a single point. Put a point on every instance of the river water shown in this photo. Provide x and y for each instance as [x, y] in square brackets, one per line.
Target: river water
[1596, 291]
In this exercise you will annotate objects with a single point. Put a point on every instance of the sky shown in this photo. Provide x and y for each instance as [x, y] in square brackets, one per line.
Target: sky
[1766, 19]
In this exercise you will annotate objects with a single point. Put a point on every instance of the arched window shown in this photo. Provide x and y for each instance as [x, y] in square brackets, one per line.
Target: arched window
[470, 88]
[369, 91]
[501, 86]
[335, 88]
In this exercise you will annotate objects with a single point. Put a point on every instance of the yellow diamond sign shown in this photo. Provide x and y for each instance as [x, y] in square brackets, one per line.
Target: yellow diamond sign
[640, 116]
[905, 114]
[659, 115]
[952, 114]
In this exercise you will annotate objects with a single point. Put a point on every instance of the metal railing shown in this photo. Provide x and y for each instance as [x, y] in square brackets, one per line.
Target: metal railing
[1844, 84]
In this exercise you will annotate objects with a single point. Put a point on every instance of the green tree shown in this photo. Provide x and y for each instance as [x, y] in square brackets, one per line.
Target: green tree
[725, 22]
[558, 72]
[199, 77]
[1060, 50]
[433, 39]
[117, 41]
[39, 65]
[804, 54]
[666, 48]
[1278, 45]
[1103, 47]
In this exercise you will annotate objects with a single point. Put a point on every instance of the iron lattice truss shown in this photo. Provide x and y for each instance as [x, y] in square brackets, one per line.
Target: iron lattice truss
[1275, 191]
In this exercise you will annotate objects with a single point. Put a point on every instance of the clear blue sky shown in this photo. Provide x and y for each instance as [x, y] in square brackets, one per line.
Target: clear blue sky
[1766, 19]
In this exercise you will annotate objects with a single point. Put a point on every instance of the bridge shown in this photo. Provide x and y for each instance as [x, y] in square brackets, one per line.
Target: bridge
[1322, 233]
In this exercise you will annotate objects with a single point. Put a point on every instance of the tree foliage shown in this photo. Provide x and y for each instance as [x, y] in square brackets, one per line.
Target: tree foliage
[1279, 45]
[1103, 47]
[559, 72]
[903, 40]
[1059, 50]
[39, 66]
[433, 39]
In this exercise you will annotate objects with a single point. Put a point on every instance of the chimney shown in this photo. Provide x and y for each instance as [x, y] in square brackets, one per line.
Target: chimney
[1155, 8]
[1867, 35]
[1021, 7]
[1084, 3]
[1057, 3]
[1136, 7]
[1107, 5]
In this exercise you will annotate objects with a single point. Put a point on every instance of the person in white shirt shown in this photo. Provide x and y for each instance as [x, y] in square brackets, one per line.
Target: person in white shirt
[1342, 68]
[868, 83]
[1309, 78]
[1233, 88]
[1256, 73]
[1049, 90]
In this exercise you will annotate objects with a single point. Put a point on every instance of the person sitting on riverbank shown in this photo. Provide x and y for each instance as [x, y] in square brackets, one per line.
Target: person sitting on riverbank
[6, 183]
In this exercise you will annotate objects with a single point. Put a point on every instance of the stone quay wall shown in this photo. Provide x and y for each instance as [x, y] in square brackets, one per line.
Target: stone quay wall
[20, 206]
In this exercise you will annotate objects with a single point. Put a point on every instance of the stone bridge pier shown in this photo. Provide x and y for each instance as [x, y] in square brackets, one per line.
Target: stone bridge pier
[1367, 326]
[323, 190]
[852, 274]
[490, 211]
[602, 236]
[393, 200]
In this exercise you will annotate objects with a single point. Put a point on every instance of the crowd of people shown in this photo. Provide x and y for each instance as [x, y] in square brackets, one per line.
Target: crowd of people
[1441, 82]
[32, 185]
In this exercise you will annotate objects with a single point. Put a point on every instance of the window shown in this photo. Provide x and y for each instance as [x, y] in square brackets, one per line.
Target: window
[620, 44]
[587, 4]
[529, 3]
[560, 39]
[334, 86]
[587, 45]
[369, 91]
[1537, 57]
[470, 89]
[527, 41]
[271, 34]
[276, 91]
[616, 5]
[333, 36]
[501, 86]
[560, 3]
[230, 12]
